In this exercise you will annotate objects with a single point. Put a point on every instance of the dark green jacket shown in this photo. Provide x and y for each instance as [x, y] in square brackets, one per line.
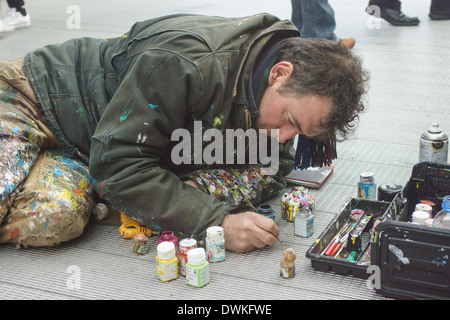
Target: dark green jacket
[115, 103]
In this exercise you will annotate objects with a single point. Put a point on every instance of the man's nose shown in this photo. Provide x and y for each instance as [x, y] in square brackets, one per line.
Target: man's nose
[285, 134]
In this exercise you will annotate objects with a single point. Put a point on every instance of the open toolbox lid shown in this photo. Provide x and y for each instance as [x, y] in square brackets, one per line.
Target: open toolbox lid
[413, 261]
[429, 182]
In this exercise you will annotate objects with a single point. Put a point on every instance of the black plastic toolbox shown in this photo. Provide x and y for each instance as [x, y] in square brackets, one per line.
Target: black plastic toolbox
[322, 262]
[412, 261]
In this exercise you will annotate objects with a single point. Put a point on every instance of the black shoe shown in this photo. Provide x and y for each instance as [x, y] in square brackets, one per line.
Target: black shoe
[440, 15]
[398, 18]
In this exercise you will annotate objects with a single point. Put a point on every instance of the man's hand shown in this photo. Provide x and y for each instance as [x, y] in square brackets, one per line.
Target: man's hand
[248, 230]
[191, 183]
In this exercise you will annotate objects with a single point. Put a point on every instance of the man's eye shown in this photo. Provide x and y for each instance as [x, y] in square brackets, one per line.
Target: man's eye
[295, 126]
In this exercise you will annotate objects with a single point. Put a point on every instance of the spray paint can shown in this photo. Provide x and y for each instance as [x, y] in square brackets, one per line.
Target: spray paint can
[433, 145]
[367, 188]
[215, 244]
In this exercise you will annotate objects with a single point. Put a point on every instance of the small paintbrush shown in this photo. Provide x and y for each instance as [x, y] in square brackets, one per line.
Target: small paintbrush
[253, 207]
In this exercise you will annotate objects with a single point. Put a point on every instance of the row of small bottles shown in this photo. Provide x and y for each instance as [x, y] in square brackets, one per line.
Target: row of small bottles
[423, 215]
[188, 260]
[423, 212]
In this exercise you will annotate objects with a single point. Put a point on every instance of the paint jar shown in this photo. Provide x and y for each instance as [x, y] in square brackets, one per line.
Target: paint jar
[424, 207]
[387, 192]
[419, 217]
[140, 244]
[215, 244]
[267, 211]
[197, 268]
[100, 211]
[429, 222]
[294, 200]
[185, 245]
[166, 261]
[431, 202]
[355, 214]
[170, 237]
[367, 188]
[304, 223]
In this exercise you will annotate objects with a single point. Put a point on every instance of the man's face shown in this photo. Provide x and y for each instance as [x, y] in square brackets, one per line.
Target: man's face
[290, 115]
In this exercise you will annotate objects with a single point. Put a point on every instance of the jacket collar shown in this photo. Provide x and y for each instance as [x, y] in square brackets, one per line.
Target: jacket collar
[258, 50]
[259, 79]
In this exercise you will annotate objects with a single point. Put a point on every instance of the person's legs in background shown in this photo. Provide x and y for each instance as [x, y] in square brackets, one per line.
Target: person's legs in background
[386, 4]
[315, 19]
[390, 10]
[17, 16]
[440, 10]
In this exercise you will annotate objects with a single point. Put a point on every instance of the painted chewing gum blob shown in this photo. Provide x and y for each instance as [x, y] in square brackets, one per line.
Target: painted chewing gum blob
[287, 265]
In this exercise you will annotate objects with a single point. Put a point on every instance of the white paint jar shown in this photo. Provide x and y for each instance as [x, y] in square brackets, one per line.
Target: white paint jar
[424, 207]
[215, 244]
[420, 217]
[304, 223]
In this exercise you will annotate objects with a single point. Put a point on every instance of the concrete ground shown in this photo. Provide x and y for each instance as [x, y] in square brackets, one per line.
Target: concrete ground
[409, 90]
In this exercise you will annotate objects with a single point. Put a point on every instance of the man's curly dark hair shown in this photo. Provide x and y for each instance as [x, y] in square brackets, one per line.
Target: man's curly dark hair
[327, 68]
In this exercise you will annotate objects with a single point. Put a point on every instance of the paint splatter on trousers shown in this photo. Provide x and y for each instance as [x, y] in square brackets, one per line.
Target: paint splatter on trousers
[45, 197]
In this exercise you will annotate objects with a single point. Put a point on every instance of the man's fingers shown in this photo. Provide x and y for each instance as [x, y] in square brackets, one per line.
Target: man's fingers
[248, 230]
[263, 239]
[265, 232]
[266, 224]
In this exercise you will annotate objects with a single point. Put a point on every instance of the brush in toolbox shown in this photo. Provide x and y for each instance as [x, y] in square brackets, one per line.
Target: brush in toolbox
[349, 237]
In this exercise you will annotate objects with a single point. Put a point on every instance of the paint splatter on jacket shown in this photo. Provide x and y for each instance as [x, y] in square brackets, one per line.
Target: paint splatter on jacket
[115, 104]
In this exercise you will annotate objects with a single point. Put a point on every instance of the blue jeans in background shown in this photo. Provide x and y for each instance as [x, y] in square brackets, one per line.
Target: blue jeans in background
[314, 18]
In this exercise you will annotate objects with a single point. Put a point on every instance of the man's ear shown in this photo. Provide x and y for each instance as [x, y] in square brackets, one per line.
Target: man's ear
[282, 71]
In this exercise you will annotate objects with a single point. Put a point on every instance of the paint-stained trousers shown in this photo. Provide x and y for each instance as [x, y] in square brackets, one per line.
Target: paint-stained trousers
[46, 198]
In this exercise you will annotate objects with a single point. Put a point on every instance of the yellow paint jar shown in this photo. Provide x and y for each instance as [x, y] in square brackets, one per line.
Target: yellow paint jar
[166, 261]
